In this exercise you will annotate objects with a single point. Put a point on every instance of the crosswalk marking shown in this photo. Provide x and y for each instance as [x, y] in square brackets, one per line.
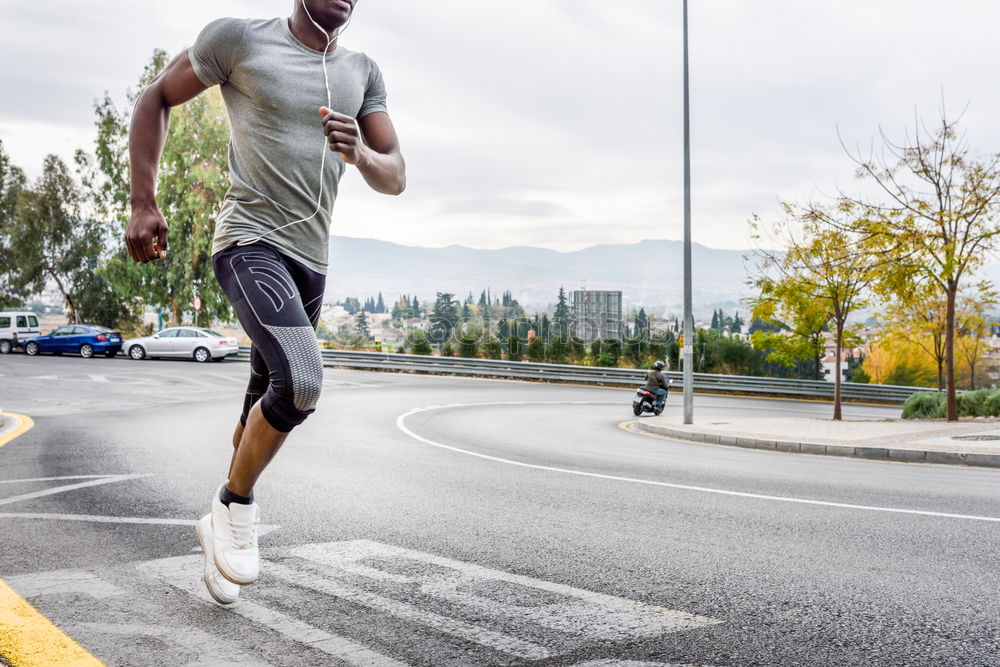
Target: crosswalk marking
[467, 631]
[428, 608]
[183, 573]
[568, 610]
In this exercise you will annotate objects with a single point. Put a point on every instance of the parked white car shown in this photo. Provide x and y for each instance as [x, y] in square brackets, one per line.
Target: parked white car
[195, 343]
[17, 327]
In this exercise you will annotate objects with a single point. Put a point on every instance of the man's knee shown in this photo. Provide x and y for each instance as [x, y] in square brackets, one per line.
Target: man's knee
[307, 385]
[287, 407]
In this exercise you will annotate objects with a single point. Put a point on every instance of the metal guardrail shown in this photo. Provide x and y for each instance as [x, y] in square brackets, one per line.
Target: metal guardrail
[524, 370]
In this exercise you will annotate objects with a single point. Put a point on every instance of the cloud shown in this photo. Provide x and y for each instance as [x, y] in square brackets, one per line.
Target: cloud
[520, 208]
[559, 121]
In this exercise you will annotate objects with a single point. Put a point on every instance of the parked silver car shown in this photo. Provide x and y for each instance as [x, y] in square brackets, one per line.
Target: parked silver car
[195, 343]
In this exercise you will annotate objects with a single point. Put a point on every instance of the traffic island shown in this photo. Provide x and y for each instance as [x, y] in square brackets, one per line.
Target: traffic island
[972, 442]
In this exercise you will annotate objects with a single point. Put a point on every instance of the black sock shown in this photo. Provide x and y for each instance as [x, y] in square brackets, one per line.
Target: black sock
[227, 496]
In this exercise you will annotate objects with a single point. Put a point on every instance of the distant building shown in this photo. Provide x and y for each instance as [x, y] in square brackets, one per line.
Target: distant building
[596, 314]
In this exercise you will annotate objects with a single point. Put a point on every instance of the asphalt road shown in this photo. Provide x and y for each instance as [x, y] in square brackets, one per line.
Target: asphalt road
[418, 520]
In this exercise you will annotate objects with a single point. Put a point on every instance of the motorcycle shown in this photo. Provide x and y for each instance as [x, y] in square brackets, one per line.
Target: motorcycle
[645, 401]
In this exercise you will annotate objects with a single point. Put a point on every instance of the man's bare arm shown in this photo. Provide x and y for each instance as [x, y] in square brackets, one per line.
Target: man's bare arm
[370, 144]
[150, 119]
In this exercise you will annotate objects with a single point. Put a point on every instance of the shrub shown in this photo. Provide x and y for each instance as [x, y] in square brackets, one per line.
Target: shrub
[991, 406]
[924, 405]
[972, 403]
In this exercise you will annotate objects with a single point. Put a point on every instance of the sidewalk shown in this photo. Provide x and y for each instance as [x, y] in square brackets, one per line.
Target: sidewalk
[971, 442]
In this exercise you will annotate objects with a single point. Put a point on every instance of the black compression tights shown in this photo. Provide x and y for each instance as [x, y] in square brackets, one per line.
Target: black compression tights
[278, 301]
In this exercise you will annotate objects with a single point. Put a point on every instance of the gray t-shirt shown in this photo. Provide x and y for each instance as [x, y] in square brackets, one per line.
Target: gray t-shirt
[273, 87]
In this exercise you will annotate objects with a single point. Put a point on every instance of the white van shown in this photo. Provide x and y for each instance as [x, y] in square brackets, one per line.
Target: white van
[16, 329]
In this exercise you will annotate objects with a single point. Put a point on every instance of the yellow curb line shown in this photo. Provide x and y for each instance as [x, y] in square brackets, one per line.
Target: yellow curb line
[28, 639]
[26, 424]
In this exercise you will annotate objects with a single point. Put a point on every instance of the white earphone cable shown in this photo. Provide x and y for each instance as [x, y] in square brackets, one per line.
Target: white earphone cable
[329, 104]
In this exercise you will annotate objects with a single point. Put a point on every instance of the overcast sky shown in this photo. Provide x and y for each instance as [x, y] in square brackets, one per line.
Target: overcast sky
[557, 123]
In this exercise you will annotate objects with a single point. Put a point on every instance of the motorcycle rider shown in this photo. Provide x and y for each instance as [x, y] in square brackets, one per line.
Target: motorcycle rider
[656, 382]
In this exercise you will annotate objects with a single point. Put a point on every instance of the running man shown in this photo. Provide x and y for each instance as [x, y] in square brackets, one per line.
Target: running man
[286, 83]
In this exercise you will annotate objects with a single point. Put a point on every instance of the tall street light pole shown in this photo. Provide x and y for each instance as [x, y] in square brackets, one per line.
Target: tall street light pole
[688, 351]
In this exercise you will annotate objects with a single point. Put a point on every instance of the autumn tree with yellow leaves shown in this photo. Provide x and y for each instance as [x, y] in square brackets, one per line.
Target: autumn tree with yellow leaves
[820, 268]
[937, 221]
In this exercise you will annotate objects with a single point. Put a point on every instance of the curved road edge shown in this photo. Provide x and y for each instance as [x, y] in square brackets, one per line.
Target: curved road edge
[13, 425]
[899, 455]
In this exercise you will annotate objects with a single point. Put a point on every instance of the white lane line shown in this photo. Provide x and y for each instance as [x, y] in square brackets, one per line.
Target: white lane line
[70, 487]
[98, 519]
[401, 425]
[183, 573]
[262, 529]
[489, 638]
[51, 479]
[99, 378]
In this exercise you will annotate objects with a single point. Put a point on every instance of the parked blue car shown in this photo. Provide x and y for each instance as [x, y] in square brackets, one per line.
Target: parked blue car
[83, 339]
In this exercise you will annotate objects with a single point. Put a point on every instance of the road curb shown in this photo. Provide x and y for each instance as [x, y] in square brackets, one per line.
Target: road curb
[824, 449]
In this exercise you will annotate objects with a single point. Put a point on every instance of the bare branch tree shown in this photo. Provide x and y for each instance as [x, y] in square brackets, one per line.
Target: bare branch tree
[939, 223]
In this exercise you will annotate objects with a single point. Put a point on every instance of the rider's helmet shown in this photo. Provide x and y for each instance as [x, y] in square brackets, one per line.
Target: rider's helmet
[658, 366]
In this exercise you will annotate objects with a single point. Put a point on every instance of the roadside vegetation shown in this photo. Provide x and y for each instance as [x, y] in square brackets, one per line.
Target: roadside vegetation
[932, 405]
[910, 246]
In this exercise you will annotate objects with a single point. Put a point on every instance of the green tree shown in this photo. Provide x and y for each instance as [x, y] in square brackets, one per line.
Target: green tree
[562, 318]
[51, 240]
[642, 325]
[938, 222]
[192, 181]
[323, 332]
[445, 316]
[856, 372]
[536, 349]
[361, 326]
[492, 349]
[417, 341]
[512, 338]
[97, 302]
[823, 266]
[351, 305]
[788, 323]
[577, 350]
[467, 336]
[12, 181]
[973, 330]
[610, 352]
[657, 351]
[559, 350]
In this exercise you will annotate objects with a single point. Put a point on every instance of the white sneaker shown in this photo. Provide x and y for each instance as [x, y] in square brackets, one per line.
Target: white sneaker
[221, 589]
[234, 533]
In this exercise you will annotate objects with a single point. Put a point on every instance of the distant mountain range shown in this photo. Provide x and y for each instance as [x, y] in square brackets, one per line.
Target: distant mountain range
[649, 273]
